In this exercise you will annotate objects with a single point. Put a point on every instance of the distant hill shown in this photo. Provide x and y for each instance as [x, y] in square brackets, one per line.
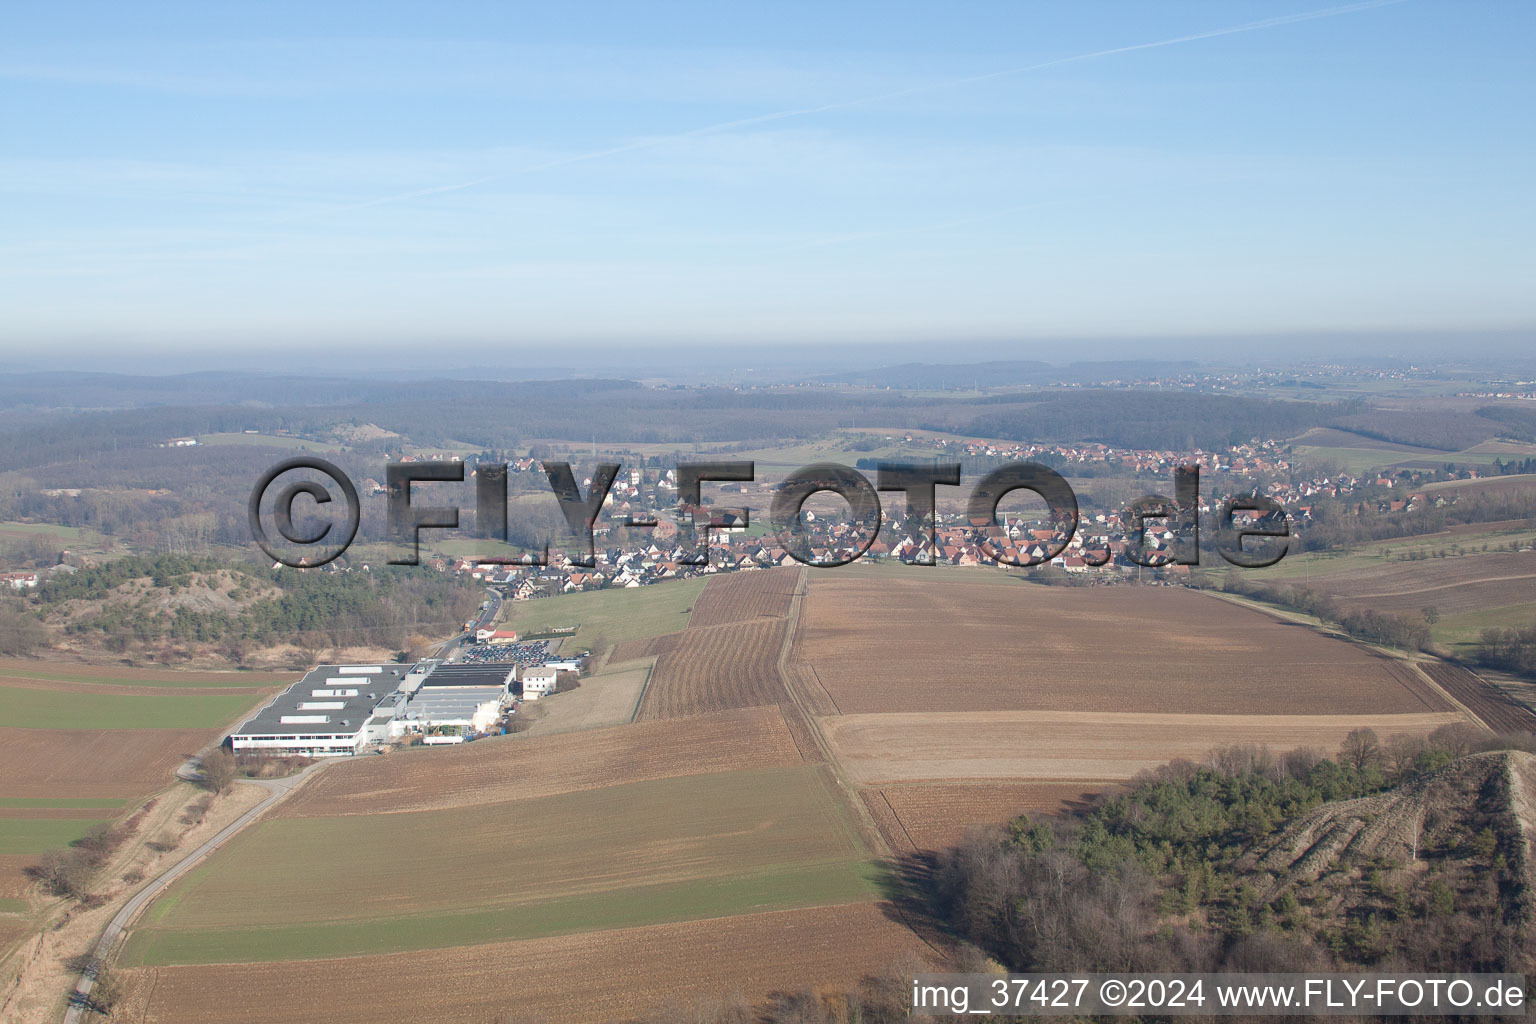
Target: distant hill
[1005, 373]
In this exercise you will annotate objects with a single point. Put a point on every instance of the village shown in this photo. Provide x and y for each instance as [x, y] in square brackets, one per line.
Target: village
[1097, 551]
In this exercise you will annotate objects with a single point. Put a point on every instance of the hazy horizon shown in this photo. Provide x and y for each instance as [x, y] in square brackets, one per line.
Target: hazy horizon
[187, 179]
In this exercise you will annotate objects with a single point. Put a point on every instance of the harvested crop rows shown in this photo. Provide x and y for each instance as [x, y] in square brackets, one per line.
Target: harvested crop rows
[517, 768]
[1499, 712]
[900, 645]
[743, 596]
[591, 977]
[717, 668]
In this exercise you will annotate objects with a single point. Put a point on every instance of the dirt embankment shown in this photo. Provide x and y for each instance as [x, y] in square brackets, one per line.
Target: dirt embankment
[1476, 809]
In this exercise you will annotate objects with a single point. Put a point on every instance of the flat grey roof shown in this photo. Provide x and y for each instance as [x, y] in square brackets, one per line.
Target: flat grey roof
[459, 674]
[330, 699]
[450, 702]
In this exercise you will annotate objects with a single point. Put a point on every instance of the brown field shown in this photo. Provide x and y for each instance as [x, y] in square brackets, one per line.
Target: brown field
[593, 976]
[119, 763]
[742, 596]
[1461, 584]
[936, 816]
[717, 668]
[645, 647]
[910, 646]
[71, 686]
[123, 764]
[1075, 746]
[518, 767]
[82, 672]
[1498, 711]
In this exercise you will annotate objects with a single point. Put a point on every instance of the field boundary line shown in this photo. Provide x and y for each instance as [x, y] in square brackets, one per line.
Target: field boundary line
[897, 815]
[634, 712]
[848, 791]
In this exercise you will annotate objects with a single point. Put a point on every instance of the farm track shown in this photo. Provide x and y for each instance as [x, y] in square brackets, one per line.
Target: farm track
[107, 943]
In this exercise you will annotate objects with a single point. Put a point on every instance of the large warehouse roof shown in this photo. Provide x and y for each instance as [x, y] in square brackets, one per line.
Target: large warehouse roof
[451, 703]
[329, 700]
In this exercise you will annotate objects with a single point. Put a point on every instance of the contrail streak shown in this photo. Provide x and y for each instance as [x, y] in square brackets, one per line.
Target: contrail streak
[953, 83]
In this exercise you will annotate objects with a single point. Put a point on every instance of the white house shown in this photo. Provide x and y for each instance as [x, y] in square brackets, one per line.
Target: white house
[540, 682]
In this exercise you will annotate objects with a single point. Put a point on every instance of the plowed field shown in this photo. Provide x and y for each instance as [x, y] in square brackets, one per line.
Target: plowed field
[899, 645]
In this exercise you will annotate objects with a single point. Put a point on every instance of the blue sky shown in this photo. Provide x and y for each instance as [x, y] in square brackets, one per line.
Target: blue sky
[354, 176]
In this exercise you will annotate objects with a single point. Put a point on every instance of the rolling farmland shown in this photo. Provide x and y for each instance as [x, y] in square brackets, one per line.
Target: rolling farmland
[951, 703]
[728, 656]
[1093, 747]
[920, 817]
[632, 853]
[1495, 708]
[81, 743]
[710, 823]
[1451, 585]
[609, 617]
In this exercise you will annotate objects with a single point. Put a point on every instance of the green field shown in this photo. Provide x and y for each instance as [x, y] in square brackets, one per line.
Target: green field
[1359, 460]
[1461, 630]
[34, 835]
[610, 616]
[782, 889]
[1298, 566]
[630, 854]
[76, 537]
[298, 444]
[1521, 480]
[55, 709]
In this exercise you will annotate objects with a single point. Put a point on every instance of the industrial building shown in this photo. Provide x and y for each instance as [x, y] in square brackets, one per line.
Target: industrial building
[340, 710]
[325, 714]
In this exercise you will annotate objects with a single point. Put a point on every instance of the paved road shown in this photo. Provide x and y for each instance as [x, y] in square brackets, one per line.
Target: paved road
[449, 649]
[277, 789]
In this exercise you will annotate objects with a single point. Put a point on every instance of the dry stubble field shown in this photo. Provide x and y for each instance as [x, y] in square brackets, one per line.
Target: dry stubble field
[903, 645]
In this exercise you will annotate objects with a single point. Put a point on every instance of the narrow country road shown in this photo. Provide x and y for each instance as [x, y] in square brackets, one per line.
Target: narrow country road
[79, 1002]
